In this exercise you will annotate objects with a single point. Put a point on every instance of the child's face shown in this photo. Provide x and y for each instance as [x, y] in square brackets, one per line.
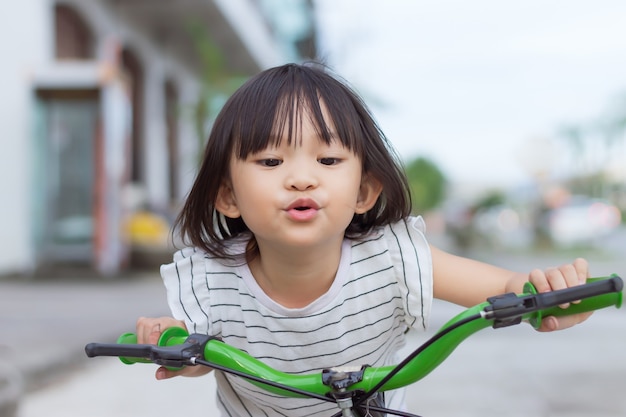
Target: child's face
[299, 194]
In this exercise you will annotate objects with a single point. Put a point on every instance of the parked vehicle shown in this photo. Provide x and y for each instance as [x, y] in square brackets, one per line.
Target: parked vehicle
[581, 220]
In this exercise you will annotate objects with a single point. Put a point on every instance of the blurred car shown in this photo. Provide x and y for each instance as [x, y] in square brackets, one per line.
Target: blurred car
[581, 220]
[503, 226]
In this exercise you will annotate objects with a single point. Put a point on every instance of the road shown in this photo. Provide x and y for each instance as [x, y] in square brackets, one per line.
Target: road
[510, 372]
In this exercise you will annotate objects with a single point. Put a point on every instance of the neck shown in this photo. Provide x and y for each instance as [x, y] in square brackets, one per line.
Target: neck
[295, 277]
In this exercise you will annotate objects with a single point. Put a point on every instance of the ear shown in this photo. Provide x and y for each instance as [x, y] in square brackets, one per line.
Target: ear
[226, 203]
[368, 194]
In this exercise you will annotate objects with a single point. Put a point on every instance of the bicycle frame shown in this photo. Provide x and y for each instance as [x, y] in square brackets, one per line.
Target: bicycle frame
[351, 387]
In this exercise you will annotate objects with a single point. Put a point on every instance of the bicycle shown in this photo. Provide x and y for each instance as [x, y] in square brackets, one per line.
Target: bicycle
[357, 390]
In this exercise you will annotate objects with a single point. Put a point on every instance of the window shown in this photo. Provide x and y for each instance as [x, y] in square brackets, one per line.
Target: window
[73, 38]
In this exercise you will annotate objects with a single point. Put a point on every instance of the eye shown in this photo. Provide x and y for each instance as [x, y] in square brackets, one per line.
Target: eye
[269, 162]
[329, 161]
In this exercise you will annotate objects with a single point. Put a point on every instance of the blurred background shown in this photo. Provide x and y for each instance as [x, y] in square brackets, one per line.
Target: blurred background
[510, 118]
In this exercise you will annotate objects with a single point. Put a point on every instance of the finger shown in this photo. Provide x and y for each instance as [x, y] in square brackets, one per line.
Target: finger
[189, 371]
[538, 278]
[575, 273]
[163, 373]
[571, 277]
[582, 269]
[557, 279]
[149, 330]
[551, 323]
[142, 329]
[155, 334]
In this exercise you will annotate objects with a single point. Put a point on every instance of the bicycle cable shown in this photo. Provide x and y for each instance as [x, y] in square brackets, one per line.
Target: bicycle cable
[414, 354]
[369, 408]
[264, 381]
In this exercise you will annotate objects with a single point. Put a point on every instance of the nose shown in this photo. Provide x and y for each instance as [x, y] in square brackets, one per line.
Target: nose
[301, 177]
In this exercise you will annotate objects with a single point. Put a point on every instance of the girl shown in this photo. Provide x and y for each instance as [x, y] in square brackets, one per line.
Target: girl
[302, 248]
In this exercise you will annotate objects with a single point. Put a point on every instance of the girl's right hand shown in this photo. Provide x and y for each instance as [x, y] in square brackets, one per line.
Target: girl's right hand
[148, 331]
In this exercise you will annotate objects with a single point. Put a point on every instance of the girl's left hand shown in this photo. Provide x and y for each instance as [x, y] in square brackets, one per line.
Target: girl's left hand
[564, 276]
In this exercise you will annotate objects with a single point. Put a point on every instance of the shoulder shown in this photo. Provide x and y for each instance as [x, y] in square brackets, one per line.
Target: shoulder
[410, 231]
[191, 264]
[412, 225]
[192, 257]
[402, 245]
[407, 242]
[184, 261]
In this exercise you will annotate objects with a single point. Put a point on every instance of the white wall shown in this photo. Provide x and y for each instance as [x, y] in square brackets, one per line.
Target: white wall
[26, 30]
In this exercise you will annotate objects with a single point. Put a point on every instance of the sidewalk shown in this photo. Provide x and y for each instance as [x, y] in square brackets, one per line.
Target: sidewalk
[47, 321]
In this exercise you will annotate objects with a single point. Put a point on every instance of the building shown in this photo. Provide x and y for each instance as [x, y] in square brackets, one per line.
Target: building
[98, 108]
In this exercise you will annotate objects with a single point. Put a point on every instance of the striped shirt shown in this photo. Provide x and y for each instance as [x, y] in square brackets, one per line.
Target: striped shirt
[382, 287]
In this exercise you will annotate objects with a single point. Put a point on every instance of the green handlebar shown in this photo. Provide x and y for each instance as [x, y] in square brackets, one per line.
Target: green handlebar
[421, 365]
[589, 304]
[227, 356]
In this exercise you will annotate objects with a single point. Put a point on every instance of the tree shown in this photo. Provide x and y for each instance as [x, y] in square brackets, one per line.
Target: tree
[218, 82]
[593, 145]
[427, 183]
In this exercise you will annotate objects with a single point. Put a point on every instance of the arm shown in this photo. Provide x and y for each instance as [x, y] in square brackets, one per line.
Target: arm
[468, 282]
[150, 329]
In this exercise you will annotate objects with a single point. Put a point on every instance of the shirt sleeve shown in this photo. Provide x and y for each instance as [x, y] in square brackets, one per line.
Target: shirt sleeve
[413, 264]
[186, 285]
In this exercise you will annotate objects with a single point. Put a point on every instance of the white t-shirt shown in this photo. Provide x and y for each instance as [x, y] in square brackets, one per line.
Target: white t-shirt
[383, 286]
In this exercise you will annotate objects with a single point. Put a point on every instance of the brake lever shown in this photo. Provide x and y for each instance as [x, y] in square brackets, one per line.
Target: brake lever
[181, 355]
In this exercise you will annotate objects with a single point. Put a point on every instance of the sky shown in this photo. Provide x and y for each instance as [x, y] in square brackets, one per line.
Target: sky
[480, 87]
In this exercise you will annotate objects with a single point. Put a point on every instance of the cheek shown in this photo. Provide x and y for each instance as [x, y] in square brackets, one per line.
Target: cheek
[242, 179]
[251, 191]
[350, 182]
[346, 189]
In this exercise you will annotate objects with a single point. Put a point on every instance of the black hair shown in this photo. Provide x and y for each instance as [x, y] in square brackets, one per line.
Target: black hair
[256, 117]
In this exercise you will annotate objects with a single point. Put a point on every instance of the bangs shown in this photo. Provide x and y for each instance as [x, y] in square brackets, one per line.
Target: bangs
[271, 108]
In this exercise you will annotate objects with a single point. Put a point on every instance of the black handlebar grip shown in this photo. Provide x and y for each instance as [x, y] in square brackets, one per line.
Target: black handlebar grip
[109, 349]
[594, 288]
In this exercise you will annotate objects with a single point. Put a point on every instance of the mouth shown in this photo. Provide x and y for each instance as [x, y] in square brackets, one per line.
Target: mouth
[303, 209]
[303, 205]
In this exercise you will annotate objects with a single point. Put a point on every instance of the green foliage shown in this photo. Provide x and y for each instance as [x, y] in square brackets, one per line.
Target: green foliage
[427, 183]
[491, 199]
[593, 144]
[218, 82]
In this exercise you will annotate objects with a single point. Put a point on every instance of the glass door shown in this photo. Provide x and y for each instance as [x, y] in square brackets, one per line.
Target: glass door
[67, 155]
